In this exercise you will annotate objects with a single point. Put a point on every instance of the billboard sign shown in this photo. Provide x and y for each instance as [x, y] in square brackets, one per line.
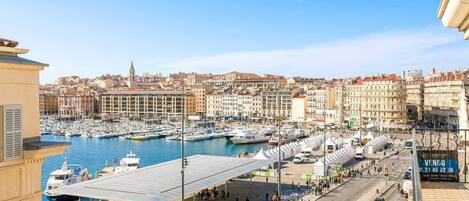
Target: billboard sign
[438, 165]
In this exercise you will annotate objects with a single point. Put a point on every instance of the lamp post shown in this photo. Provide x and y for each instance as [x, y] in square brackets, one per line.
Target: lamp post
[183, 165]
[324, 155]
[279, 161]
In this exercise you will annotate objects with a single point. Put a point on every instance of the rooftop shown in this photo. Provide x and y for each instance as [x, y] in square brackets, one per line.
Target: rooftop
[163, 181]
[258, 79]
[136, 92]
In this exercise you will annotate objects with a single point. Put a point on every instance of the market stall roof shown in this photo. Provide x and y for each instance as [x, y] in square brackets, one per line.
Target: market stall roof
[163, 181]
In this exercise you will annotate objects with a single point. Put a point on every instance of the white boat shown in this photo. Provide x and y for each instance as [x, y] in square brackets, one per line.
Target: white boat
[129, 163]
[198, 137]
[67, 175]
[249, 137]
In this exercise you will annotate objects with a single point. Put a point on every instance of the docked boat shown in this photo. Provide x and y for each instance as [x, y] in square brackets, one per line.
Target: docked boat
[66, 175]
[234, 132]
[197, 137]
[129, 163]
[274, 140]
[249, 137]
[173, 137]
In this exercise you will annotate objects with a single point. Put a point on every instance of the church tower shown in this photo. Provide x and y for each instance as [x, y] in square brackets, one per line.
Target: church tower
[132, 82]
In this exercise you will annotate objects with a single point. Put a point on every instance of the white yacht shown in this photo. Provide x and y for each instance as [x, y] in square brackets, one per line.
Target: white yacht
[249, 137]
[129, 163]
[67, 175]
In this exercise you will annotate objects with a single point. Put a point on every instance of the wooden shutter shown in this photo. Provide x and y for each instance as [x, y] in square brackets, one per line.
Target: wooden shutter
[12, 121]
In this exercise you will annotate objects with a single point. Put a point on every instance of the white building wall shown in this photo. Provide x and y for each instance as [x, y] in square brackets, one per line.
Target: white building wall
[298, 113]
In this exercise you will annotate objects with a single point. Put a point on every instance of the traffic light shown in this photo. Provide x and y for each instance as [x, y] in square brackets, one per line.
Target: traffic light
[186, 162]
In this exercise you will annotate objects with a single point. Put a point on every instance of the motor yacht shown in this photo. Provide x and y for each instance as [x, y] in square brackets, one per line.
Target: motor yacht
[68, 174]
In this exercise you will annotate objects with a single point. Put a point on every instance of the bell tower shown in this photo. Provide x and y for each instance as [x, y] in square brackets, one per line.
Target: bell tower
[132, 82]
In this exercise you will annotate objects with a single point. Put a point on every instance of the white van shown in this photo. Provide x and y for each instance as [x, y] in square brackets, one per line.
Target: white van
[307, 151]
[359, 153]
[299, 158]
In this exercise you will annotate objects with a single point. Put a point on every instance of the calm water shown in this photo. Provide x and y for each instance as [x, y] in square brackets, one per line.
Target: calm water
[92, 153]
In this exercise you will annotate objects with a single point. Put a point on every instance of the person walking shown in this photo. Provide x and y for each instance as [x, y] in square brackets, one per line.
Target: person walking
[266, 196]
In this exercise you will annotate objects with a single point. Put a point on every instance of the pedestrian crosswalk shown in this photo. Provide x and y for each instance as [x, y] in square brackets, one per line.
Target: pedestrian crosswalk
[401, 157]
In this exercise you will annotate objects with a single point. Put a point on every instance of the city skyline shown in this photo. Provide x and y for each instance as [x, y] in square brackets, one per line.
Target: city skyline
[256, 37]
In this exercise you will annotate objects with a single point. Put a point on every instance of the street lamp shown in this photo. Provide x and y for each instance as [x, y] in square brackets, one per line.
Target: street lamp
[183, 161]
[324, 155]
[279, 162]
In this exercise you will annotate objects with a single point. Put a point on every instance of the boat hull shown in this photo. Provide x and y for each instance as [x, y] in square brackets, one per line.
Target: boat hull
[244, 141]
[61, 198]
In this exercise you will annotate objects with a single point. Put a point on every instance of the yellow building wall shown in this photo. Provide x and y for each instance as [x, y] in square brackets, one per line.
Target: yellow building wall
[19, 84]
[21, 179]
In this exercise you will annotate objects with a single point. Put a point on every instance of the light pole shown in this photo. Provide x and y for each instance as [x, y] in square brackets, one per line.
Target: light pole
[183, 165]
[324, 155]
[279, 161]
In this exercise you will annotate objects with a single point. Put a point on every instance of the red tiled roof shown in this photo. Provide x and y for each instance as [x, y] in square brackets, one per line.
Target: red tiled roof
[258, 78]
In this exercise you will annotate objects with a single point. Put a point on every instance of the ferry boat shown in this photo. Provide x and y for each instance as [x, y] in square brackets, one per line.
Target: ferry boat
[66, 175]
[249, 137]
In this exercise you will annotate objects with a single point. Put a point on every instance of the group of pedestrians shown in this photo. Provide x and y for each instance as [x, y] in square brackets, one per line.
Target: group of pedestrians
[318, 187]
[211, 194]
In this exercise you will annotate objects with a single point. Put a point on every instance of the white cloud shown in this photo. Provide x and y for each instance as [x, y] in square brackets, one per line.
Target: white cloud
[387, 52]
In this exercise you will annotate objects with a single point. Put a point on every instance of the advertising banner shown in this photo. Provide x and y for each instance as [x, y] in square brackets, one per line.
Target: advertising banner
[438, 165]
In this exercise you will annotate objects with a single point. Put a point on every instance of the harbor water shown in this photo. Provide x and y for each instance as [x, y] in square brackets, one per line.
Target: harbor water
[92, 153]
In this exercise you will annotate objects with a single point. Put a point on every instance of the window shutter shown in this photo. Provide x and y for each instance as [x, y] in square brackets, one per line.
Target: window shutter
[12, 132]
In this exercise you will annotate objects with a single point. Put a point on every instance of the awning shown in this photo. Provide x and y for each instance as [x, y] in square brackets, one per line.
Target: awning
[163, 181]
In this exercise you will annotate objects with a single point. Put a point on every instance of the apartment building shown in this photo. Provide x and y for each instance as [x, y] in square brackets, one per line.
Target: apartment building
[22, 152]
[378, 100]
[259, 83]
[48, 103]
[215, 104]
[320, 104]
[74, 104]
[415, 98]
[277, 102]
[442, 95]
[200, 92]
[238, 103]
[139, 103]
[298, 113]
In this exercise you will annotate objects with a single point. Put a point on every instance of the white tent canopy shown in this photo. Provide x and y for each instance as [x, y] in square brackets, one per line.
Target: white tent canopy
[261, 155]
[339, 157]
[291, 149]
[376, 144]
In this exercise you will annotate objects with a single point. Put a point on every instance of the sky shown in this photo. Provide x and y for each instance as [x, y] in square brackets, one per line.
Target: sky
[334, 38]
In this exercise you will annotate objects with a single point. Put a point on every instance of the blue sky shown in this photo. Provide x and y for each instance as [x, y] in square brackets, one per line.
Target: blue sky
[311, 38]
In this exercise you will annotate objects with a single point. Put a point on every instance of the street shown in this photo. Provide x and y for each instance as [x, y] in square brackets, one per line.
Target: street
[365, 188]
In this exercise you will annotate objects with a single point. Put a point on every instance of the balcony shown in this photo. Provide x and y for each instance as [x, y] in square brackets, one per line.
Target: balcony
[35, 148]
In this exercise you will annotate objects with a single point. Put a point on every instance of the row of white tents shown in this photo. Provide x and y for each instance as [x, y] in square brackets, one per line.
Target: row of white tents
[290, 149]
[376, 144]
[339, 157]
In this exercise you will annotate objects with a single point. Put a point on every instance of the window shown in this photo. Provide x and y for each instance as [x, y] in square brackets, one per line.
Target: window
[11, 139]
